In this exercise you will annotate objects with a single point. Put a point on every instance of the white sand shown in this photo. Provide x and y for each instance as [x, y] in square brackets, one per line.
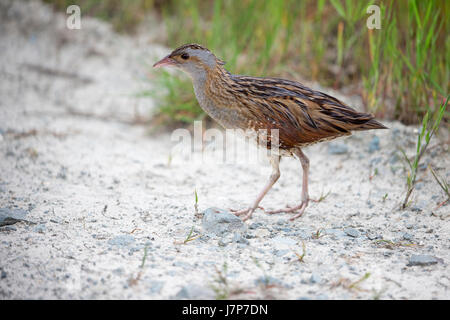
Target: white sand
[87, 155]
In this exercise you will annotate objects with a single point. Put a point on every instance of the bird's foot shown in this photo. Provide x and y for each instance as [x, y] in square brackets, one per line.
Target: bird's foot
[246, 213]
[299, 210]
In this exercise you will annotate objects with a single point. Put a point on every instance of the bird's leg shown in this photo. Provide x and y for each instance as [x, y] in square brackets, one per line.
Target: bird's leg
[305, 197]
[275, 162]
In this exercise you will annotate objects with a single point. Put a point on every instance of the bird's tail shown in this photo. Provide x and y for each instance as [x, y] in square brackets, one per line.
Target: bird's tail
[371, 124]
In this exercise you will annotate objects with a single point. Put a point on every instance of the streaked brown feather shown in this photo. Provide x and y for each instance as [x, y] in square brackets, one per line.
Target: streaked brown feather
[303, 116]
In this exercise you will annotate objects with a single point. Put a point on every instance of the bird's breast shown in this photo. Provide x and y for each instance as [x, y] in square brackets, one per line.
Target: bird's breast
[223, 112]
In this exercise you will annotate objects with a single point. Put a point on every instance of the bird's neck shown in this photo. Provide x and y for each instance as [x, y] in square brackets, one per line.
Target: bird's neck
[216, 74]
[210, 77]
[208, 87]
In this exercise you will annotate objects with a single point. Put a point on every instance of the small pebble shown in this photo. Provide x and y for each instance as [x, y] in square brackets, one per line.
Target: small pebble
[155, 286]
[422, 260]
[337, 148]
[238, 238]
[407, 236]
[351, 232]
[372, 236]
[267, 281]
[255, 225]
[195, 292]
[40, 228]
[122, 240]
[220, 222]
[222, 243]
[374, 144]
[315, 278]
[8, 228]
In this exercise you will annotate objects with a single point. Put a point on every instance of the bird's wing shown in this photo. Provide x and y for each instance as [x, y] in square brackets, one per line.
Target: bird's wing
[302, 115]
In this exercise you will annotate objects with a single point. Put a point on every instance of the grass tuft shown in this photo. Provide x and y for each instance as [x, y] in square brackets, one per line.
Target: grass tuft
[426, 133]
[400, 71]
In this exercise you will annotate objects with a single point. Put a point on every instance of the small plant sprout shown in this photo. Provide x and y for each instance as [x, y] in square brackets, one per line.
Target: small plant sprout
[443, 184]
[266, 281]
[372, 175]
[322, 197]
[144, 258]
[220, 286]
[425, 133]
[349, 285]
[318, 234]
[385, 197]
[190, 237]
[196, 202]
[302, 256]
[355, 285]
[169, 160]
[389, 244]
[134, 281]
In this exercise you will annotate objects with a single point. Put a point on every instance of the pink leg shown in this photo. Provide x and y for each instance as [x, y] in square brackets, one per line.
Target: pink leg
[275, 162]
[305, 198]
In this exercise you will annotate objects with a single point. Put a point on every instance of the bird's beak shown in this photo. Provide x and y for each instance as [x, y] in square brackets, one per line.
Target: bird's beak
[166, 61]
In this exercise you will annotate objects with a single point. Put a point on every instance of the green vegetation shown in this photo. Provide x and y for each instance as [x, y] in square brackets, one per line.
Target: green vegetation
[123, 15]
[220, 283]
[401, 70]
[442, 183]
[426, 133]
[189, 237]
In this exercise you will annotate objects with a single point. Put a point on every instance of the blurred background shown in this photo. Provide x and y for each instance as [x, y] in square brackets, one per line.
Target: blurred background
[400, 71]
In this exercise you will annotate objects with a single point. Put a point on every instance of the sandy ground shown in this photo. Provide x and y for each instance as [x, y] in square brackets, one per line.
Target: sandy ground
[106, 204]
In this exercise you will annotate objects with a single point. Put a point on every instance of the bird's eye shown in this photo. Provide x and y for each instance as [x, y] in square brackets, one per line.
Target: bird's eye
[185, 56]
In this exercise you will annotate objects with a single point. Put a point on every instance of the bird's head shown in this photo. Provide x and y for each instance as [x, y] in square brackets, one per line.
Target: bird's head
[193, 59]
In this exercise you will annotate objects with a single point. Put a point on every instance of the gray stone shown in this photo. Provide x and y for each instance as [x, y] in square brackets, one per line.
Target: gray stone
[222, 242]
[118, 271]
[11, 216]
[302, 234]
[315, 278]
[238, 238]
[195, 292]
[62, 174]
[155, 286]
[394, 158]
[280, 253]
[8, 228]
[3, 274]
[337, 148]
[335, 232]
[40, 228]
[375, 161]
[373, 236]
[122, 240]
[351, 232]
[374, 144]
[255, 225]
[422, 260]
[220, 222]
[407, 236]
[419, 185]
[268, 281]
[250, 236]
